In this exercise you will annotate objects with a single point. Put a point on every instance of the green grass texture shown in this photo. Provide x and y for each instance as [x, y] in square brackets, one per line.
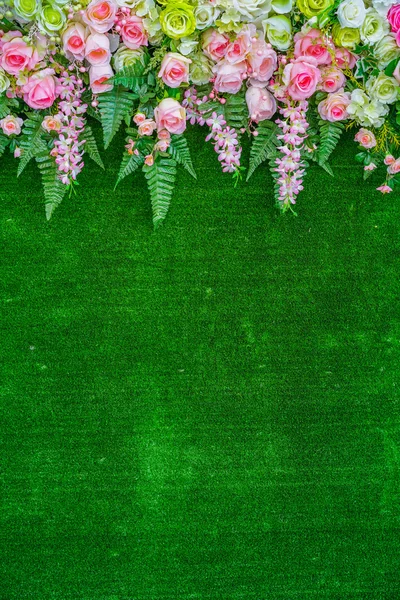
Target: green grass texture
[205, 412]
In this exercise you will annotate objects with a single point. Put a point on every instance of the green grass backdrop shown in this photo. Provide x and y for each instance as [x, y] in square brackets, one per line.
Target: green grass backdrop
[208, 412]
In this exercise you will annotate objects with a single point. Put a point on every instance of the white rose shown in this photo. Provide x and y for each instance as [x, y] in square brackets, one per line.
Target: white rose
[252, 10]
[351, 13]
[386, 50]
[382, 6]
[206, 15]
[278, 30]
[365, 112]
[383, 89]
[374, 27]
[187, 45]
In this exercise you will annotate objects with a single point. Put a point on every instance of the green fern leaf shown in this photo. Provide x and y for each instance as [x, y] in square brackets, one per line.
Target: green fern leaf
[54, 189]
[160, 181]
[32, 143]
[329, 137]
[235, 110]
[179, 150]
[131, 77]
[129, 164]
[263, 145]
[4, 141]
[114, 106]
[91, 146]
[327, 167]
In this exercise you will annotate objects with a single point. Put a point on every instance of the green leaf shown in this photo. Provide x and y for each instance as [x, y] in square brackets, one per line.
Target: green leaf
[114, 106]
[91, 146]
[329, 137]
[4, 141]
[327, 167]
[32, 143]
[179, 150]
[132, 77]
[235, 110]
[263, 145]
[160, 181]
[129, 164]
[54, 189]
[391, 67]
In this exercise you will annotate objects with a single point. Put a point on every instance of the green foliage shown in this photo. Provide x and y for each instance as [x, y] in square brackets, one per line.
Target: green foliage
[235, 110]
[129, 164]
[131, 77]
[160, 181]
[329, 136]
[263, 146]
[7, 105]
[179, 150]
[4, 141]
[115, 106]
[54, 189]
[32, 141]
[91, 146]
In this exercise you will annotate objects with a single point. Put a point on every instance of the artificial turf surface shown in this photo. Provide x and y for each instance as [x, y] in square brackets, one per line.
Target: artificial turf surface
[210, 411]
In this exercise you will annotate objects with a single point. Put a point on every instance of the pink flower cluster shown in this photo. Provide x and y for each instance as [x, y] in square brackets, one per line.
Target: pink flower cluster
[290, 167]
[70, 124]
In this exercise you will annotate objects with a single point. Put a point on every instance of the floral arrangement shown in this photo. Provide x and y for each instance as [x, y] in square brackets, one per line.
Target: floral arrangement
[290, 74]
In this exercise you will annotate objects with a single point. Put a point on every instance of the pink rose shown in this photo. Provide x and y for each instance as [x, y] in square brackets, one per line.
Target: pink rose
[174, 69]
[394, 168]
[170, 115]
[398, 37]
[41, 89]
[11, 125]
[334, 107]
[301, 77]
[229, 78]
[74, 39]
[214, 44]
[396, 73]
[139, 118]
[262, 61]
[163, 134]
[332, 79]
[344, 58]
[261, 104]
[366, 138]
[97, 51]
[18, 56]
[100, 15]
[51, 123]
[385, 189]
[147, 127]
[149, 160]
[162, 145]
[237, 50]
[389, 159]
[312, 44]
[393, 17]
[98, 75]
[133, 33]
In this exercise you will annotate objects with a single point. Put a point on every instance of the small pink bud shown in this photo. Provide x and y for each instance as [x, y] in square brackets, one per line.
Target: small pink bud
[118, 28]
[212, 95]
[123, 22]
[222, 100]
[82, 69]
[94, 103]
[255, 133]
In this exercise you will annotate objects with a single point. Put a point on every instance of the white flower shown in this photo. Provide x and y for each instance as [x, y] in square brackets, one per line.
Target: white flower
[278, 30]
[383, 89]
[386, 50]
[351, 13]
[206, 14]
[382, 6]
[187, 45]
[374, 27]
[252, 10]
[366, 112]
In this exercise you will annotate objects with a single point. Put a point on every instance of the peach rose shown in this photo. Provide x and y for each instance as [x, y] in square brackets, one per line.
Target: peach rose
[332, 79]
[74, 40]
[97, 51]
[394, 168]
[365, 138]
[170, 115]
[139, 118]
[334, 107]
[98, 75]
[18, 56]
[301, 77]
[174, 69]
[261, 103]
[312, 44]
[100, 15]
[149, 160]
[262, 61]
[41, 89]
[214, 44]
[163, 134]
[133, 33]
[11, 125]
[51, 123]
[147, 127]
[229, 78]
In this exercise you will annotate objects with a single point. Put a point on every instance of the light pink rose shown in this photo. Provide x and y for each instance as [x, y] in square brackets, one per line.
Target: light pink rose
[162, 145]
[214, 44]
[394, 168]
[147, 127]
[366, 138]
[332, 79]
[133, 33]
[170, 115]
[229, 78]
[174, 69]
[393, 17]
[389, 159]
[237, 50]
[51, 123]
[139, 118]
[97, 51]
[74, 40]
[385, 189]
[100, 15]
[149, 160]
[18, 56]
[262, 61]
[11, 125]
[312, 44]
[98, 75]
[344, 58]
[334, 107]
[163, 134]
[261, 103]
[41, 89]
[301, 77]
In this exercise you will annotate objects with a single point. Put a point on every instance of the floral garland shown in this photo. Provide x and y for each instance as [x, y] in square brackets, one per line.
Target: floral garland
[290, 74]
